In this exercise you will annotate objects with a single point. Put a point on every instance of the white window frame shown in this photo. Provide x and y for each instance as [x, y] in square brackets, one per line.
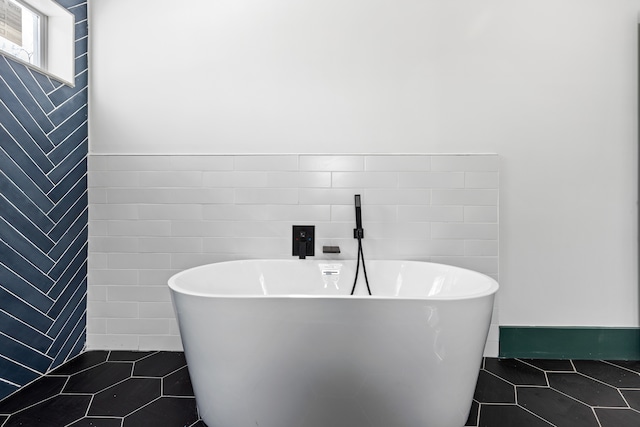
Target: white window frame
[57, 48]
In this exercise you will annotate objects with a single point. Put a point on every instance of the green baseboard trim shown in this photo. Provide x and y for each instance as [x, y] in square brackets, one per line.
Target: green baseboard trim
[569, 343]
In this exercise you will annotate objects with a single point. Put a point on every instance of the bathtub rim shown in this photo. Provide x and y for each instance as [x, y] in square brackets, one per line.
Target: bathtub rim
[174, 287]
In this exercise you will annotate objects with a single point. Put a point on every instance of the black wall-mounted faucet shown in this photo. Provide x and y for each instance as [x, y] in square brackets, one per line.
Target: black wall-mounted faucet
[303, 242]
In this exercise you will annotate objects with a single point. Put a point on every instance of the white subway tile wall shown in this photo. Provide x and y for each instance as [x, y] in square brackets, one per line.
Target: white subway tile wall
[151, 216]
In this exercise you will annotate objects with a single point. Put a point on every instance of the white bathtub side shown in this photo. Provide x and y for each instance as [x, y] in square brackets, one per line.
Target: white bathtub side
[288, 362]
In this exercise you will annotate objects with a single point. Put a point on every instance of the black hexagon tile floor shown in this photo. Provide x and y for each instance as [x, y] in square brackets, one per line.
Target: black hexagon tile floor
[108, 389]
[139, 389]
[557, 393]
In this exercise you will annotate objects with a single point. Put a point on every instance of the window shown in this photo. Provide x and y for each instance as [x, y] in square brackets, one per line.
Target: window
[40, 34]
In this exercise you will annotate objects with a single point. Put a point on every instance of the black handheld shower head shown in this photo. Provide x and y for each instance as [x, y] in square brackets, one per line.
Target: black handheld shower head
[358, 232]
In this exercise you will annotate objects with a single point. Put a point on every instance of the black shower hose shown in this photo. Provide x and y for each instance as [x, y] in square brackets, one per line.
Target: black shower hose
[364, 268]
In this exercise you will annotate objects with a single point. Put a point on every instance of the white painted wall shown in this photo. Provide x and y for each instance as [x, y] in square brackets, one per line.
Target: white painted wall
[549, 85]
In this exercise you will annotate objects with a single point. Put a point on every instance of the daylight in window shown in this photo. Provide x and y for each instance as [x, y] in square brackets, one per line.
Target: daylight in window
[20, 32]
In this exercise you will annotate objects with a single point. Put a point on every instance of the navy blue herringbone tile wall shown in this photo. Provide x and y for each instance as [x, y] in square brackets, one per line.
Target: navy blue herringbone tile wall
[43, 216]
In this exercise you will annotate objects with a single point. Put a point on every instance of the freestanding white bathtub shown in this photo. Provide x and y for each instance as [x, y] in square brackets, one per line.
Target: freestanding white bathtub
[281, 343]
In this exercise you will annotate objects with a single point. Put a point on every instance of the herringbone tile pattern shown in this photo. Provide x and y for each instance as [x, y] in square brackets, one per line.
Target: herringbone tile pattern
[43, 216]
